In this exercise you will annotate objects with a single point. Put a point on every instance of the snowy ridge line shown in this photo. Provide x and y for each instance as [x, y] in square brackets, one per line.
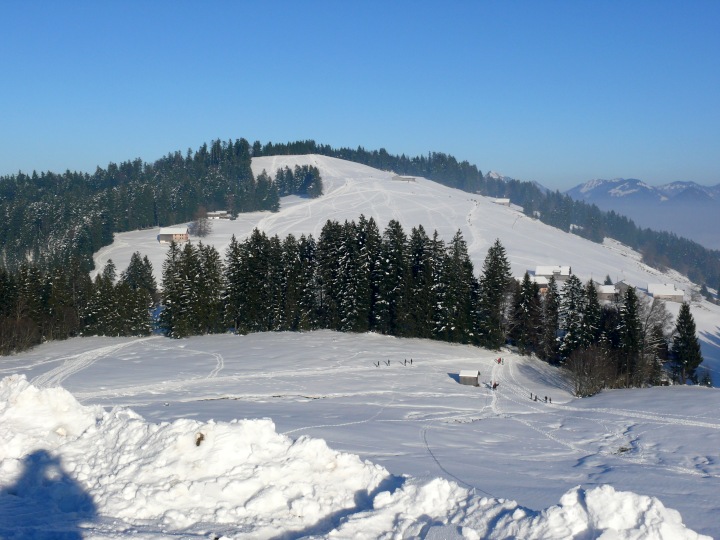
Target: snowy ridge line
[79, 362]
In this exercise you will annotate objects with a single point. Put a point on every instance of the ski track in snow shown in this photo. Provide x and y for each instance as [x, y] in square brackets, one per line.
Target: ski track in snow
[585, 413]
[75, 363]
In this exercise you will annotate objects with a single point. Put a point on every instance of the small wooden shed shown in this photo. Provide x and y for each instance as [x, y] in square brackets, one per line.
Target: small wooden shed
[470, 376]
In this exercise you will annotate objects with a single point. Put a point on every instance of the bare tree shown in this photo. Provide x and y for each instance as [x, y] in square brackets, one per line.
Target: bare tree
[201, 225]
[591, 370]
[656, 325]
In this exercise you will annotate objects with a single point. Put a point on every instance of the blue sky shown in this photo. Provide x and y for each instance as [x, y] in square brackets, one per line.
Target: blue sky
[559, 92]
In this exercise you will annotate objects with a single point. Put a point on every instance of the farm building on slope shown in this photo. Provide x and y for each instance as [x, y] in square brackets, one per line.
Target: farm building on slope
[561, 273]
[665, 291]
[173, 234]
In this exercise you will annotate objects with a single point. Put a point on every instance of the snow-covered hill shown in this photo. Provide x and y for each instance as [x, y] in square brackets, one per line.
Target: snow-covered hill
[399, 449]
[361, 443]
[352, 189]
[685, 208]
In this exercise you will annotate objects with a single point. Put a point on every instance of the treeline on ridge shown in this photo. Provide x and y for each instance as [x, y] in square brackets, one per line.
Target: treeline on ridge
[659, 249]
[52, 219]
[356, 279]
[57, 218]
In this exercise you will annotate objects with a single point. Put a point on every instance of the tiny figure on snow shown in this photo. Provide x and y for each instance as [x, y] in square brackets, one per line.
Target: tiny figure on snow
[545, 399]
[550, 400]
[495, 385]
[535, 398]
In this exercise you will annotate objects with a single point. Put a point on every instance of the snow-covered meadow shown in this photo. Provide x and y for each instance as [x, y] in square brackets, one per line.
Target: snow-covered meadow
[322, 434]
[291, 435]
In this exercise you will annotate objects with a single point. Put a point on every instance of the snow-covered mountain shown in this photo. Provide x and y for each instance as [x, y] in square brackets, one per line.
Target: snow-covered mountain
[684, 208]
[436, 459]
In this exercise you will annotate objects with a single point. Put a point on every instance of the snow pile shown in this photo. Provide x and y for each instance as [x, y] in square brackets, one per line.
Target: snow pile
[66, 468]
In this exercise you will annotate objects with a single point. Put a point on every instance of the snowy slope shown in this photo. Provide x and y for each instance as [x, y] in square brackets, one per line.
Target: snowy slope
[406, 452]
[352, 189]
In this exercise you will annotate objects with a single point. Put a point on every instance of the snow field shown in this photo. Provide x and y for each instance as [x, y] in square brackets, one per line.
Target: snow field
[244, 480]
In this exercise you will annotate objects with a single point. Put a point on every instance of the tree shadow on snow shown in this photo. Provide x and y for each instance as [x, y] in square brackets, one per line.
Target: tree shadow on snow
[45, 502]
[710, 347]
[363, 501]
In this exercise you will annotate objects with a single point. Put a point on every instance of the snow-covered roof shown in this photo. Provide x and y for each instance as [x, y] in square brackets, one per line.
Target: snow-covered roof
[606, 289]
[663, 289]
[469, 373]
[174, 230]
[553, 271]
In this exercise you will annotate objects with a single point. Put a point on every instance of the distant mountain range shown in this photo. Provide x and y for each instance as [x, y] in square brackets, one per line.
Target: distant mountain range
[684, 208]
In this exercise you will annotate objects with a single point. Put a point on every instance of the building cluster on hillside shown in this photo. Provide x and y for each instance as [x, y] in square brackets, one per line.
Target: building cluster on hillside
[606, 293]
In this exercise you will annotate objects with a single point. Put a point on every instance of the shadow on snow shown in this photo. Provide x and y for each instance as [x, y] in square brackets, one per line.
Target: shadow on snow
[45, 502]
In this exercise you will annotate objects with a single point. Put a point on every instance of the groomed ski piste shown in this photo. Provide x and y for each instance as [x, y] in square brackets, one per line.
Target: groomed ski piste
[332, 435]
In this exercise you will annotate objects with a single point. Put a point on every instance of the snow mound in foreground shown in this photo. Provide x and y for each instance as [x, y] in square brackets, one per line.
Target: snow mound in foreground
[67, 468]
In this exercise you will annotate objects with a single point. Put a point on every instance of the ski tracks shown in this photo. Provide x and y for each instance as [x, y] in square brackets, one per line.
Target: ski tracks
[76, 363]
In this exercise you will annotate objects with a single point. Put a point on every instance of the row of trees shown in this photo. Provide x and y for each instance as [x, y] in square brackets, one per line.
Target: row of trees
[52, 219]
[356, 279]
[57, 218]
[39, 305]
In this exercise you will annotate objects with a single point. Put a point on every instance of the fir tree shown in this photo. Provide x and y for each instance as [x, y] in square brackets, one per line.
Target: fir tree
[630, 338]
[549, 346]
[572, 312]
[492, 300]
[591, 316]
[461, 291]
[209, 290]
[233, 278]
[420, 300]
[686, 355]
[390, 308]
[526, 316]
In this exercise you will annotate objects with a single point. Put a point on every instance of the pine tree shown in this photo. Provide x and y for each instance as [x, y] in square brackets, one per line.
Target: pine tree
[209, 290]
[686, 354]
[390, 309]
[630, 338]
[368, 244]
[549, 345]
[233, 278]
[420, 304]
[442, 308]
[461, 291]
[572, 311]
[591, 316]
[492, 300]
[139, 274]
[311, 290]
[526, 316]
[329, 286]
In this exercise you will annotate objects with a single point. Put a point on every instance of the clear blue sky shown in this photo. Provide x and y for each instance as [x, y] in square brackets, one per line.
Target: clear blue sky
[554, 91]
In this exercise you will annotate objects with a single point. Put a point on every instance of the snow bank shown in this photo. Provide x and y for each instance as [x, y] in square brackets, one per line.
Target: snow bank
[73, 468]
